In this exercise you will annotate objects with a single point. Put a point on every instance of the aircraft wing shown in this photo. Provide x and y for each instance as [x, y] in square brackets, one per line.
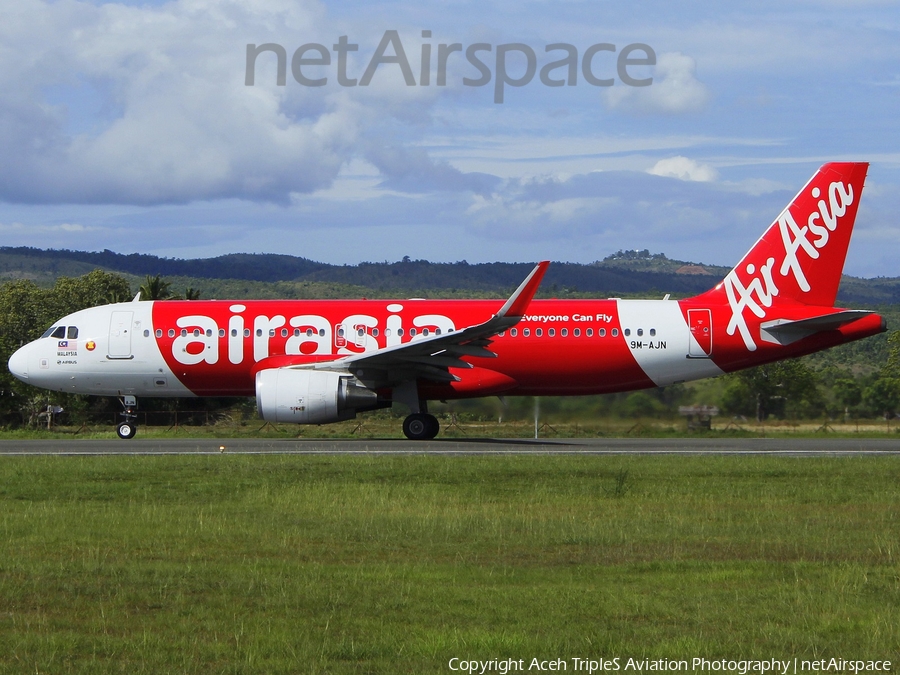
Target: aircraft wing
[430, 357]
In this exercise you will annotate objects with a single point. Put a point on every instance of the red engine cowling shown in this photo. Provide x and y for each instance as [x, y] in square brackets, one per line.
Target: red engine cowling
[310, 396]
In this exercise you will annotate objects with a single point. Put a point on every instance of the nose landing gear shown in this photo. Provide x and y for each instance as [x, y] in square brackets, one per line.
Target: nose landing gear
[127, 428]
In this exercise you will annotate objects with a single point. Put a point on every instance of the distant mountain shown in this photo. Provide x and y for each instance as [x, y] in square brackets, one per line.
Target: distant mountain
[626, 272]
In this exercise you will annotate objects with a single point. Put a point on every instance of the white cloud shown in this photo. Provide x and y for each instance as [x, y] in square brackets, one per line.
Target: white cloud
[171, 119]
[674, 89]
[683, 168]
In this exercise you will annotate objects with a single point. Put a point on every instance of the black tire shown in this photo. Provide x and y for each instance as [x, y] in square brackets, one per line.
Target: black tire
[434, 426]
[126, 430]
[421, 427]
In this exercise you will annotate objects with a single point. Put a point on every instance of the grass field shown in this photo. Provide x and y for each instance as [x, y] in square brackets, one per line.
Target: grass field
[287, 564]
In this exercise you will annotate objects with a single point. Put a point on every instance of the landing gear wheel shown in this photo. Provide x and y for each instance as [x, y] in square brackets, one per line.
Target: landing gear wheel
[126, 430]
[421, 427]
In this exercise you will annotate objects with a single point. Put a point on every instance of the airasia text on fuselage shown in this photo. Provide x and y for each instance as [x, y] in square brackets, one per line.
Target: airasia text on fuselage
[201, 339]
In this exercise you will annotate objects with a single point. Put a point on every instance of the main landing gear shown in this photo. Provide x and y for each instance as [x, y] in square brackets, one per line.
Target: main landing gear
[421, 427]
[418, 425]
[127, 428]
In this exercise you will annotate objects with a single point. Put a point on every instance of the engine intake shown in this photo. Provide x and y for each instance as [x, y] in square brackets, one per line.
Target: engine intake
[310, 396]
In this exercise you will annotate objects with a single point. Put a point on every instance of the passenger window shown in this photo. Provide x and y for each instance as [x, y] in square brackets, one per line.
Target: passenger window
[246, 332]
[221, 332]
[627, 332]
[412, 332]
[526, 332]
[374, 332]
[615, 332]
[652, 332]
[602, 332]
[146, 333]
[590, 332]
[171, 332]
[577, 332]
[72, 333]
[513, 332]
[640, 332]
[159, 332]
[538, 332]
[551, 332]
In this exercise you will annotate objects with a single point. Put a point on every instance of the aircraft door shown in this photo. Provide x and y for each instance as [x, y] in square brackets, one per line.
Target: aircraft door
[700, 323]
[340, 340]
[359, 335]
[120, 335]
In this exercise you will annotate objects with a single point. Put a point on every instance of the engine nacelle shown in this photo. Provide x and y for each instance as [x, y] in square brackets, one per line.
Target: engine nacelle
[309, 396]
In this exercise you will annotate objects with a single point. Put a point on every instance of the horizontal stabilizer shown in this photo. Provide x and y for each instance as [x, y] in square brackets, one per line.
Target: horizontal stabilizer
[786, 331]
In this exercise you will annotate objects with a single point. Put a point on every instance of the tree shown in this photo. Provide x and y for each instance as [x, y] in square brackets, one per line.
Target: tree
[772, 389]
[191, 293]
[69, 294]
[26, 311]
[892, 367]
[154, 288]
[883, 396]
[640, 404]
[847, 393]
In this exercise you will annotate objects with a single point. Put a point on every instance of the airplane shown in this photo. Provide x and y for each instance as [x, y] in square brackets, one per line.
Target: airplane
[321, 361]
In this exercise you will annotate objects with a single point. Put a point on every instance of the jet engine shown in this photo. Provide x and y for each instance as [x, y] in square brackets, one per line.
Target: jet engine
[310, 396]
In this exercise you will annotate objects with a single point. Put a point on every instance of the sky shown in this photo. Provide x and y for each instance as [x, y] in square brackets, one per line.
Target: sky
[131, 126]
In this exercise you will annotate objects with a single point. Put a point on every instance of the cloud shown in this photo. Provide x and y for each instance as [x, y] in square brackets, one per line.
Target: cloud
[674, 89]
[629, 208]
[683, 168]
[146, 105]
[412, 170]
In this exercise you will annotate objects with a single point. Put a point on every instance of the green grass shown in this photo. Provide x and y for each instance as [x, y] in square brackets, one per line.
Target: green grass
[286, 564]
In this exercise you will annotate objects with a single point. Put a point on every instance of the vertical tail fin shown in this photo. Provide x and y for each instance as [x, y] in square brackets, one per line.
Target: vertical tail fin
[801, 256]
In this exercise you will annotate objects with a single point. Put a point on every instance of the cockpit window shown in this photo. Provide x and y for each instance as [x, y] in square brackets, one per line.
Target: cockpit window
[48, 332]
[72, 332]
[59, 332]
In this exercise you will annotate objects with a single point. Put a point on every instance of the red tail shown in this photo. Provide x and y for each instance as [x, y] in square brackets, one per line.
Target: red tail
[801, 256]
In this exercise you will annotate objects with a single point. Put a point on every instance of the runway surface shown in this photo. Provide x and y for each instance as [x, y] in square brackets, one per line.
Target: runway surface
[600, 446]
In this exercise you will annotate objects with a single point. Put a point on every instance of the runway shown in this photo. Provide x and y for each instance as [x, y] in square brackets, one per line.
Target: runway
[799, 447]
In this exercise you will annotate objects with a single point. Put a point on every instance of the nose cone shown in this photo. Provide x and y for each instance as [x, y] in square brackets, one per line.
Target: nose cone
[18, 363]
